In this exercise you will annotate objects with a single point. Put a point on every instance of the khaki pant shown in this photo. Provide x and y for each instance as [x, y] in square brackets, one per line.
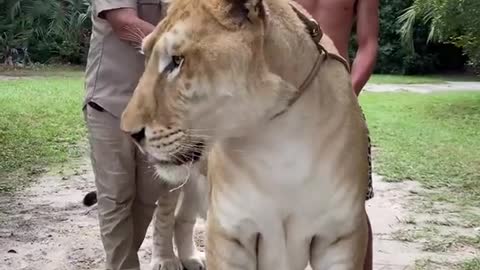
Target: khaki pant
[126, 189]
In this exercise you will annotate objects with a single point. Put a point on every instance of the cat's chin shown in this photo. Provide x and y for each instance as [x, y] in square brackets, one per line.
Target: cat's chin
[175, 175]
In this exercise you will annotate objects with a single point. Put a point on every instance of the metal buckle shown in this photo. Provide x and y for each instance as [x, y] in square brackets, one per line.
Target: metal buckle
[315, 31]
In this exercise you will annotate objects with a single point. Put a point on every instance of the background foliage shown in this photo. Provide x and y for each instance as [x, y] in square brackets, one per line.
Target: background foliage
[58, 31]
[454, 22]
[395, 57]
[45, 31]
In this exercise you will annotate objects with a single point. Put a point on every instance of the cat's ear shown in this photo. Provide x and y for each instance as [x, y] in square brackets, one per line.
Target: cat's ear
[245, 11]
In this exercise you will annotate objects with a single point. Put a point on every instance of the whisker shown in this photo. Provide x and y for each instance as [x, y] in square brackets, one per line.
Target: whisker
[135, 30]
[199, 136]
[193, 154]
[131, 34]
[199, 129]
[132, 37]
[196, 145]
[175, 157]
[199, 132]
[195, 136]
[184, 182]
[156, 174]
[139, 31]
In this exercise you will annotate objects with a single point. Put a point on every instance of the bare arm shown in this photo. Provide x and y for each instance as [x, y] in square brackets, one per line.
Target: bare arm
[367, 38]
[127, 25]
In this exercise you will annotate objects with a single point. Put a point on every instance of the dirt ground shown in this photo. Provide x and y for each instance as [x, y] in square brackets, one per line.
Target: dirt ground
[424, 88]
[47, 227]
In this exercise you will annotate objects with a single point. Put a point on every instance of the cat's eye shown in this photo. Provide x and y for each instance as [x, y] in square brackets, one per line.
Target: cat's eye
[175, 63]
[177, 60]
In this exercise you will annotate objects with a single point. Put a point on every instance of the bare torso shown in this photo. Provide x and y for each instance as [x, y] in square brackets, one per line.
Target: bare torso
[335, 17]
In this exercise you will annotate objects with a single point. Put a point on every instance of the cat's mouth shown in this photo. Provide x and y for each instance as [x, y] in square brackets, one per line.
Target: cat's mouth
[185, 156]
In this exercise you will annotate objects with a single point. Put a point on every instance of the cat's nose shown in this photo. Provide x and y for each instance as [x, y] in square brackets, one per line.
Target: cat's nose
[138, 136]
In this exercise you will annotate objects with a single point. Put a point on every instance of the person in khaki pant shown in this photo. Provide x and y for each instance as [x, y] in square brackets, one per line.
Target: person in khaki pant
[126, 189]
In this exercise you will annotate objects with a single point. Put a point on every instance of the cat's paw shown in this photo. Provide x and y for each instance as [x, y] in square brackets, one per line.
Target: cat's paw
[166, 264]
[196, 262]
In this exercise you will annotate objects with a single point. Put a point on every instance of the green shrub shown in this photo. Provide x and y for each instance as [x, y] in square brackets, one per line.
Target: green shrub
[394, 57]
[45, 30]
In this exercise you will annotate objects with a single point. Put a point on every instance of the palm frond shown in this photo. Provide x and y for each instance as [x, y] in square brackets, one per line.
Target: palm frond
[419, 12]
[407, 21]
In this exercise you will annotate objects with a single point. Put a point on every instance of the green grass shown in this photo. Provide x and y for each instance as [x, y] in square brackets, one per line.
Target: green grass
[429, 264]
[434, 139]
[435, 241]
[42, 70]
[400, 79]
[41, 124]
[473, 264]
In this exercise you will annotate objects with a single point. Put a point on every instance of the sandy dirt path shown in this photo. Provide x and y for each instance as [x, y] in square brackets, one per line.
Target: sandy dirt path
[424, 88]
[46, 227]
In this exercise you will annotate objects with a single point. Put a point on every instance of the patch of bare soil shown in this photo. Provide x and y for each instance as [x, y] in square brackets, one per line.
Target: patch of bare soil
[47, 227]
[424, 88]
[412, 232]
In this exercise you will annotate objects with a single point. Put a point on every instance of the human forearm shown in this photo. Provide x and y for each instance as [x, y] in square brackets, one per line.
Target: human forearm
[367, 39]
[363, 66]
[128, 26]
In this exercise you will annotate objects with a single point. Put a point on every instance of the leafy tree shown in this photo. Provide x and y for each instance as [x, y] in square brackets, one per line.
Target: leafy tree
[59, 31]
[395, 57]
[455, 22]
[51, 30]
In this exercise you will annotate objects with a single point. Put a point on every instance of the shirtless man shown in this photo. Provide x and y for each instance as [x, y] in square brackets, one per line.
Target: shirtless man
[336, 18]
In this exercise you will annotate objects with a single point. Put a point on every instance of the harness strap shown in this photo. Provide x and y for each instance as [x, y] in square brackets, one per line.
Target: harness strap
[325, 47]
[312, 26]
[322, 42]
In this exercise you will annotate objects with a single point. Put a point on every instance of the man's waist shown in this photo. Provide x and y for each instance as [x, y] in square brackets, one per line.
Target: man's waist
[115, 106]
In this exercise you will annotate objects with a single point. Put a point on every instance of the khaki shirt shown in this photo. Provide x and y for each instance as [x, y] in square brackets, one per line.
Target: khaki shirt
[114, 66]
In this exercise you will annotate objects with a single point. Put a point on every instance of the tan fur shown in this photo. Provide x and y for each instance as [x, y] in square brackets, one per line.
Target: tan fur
[174, 220]
[286, 191]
